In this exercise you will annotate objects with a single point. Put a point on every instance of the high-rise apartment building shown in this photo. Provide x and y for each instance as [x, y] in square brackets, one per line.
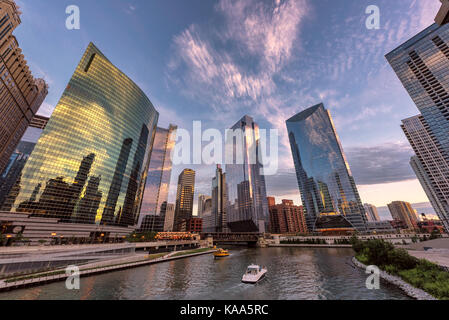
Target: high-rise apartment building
[429, 164]
[286, 217]
[21, 95]
[184, 198]
[403, 212]
[219, 200]
[420, 64]
[372, 215]
[247, 208]
[17, 161]
[91, 161]
[328, 190]
[158, 179]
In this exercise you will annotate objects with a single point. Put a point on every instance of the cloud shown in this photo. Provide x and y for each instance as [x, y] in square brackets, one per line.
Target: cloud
[381, 164]
[46, 109]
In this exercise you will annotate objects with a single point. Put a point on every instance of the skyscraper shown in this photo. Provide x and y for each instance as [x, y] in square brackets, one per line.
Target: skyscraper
[159, 174]
[371, 213]
[219, 200]
[21, 95]
[202, 203]
[420, 64]
[184, 198]
[20, 156]
[429, 165]
[403, 212]
[90, 164]
[247, 208]
[328, 191]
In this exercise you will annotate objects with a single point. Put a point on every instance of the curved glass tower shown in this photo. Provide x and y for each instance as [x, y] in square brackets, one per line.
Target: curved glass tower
[328, 190]
[91, 161]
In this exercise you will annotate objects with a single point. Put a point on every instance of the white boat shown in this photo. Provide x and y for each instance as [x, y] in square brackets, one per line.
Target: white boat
[254, 273]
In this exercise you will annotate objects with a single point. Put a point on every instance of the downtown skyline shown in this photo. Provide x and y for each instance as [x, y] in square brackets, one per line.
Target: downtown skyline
[368, 121]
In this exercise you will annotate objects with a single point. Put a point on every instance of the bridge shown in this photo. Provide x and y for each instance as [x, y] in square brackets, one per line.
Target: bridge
[251, 238]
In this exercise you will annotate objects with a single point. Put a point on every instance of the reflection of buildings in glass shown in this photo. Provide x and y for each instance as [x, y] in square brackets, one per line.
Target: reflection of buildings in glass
[247, 207]
[219, 200]
[421, 63]
[90, 202]
[324, 178]
[101, 112]
[128, 215]
[18, 159]
[116, 184]
[21, 94]
[184, 198]
[159, 174]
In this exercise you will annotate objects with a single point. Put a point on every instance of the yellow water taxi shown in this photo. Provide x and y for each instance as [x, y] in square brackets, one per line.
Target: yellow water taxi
[220, 253]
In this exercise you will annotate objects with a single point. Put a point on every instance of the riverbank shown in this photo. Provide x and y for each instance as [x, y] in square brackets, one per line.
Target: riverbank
[410, 290]
[102, 267]
[304, 245]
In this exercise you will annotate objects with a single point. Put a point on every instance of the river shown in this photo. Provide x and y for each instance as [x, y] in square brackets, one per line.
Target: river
[293, 274]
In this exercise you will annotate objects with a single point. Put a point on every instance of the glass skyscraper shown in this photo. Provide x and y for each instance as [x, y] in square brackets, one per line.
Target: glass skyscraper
[159, 174]
[422, 65]
[328, 191]
[247, 206]
[20, 156]
[91, 162]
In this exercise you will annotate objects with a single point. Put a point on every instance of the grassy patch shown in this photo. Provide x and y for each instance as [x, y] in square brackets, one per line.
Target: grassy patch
[420, 273]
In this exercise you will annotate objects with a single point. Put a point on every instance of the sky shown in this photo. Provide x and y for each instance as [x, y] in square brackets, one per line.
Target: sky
[217, 60]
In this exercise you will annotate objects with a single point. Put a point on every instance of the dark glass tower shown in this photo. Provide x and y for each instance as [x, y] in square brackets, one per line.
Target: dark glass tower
[247, 205]
[328, 190]
[91, 161]
[158, 180]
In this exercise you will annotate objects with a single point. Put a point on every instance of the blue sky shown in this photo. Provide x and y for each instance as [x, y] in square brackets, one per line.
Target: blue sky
[217, 60]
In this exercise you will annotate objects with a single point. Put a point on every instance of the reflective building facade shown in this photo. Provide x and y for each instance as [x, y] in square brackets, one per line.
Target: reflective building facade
[159, 174]
[422, 65]
[247, 206]
[219, 200]
[91, 161]
[328, 191]
[17, 161]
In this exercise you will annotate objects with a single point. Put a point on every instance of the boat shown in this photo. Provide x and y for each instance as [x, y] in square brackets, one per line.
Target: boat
[254, 273]
[220, 253]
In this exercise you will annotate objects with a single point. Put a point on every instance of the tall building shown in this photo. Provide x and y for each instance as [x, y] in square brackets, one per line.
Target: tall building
[420, 64]
[403, 212]
[202, 203]
[168, 211]
[184, 198]
[20, 156]
[286, 217]
[426, 183]
[371, 213]
[21, 95]
[91, 161]
[219, 200]
[328, 191]
[159, 174]
[429, 164]
[247, 208]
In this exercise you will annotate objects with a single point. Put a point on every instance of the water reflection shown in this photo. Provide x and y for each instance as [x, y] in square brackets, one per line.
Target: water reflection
[293, 274]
